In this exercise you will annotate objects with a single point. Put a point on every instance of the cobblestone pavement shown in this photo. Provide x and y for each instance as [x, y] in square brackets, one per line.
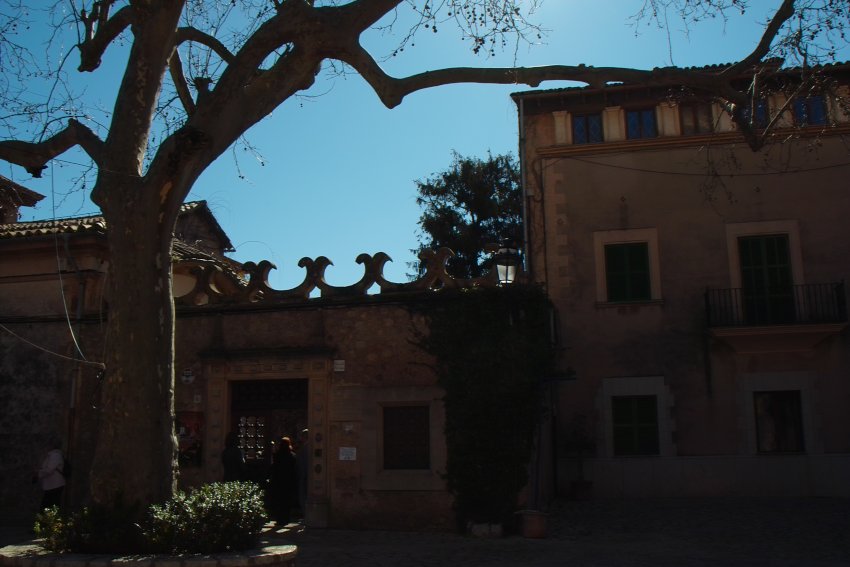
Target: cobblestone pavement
[658, 532]
[680, 532]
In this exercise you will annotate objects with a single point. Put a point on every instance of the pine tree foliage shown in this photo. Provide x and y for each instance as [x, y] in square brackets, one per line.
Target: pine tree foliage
[473, 203]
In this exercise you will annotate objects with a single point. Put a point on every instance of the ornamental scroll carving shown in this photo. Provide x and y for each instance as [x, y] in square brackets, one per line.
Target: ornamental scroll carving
[214, 285]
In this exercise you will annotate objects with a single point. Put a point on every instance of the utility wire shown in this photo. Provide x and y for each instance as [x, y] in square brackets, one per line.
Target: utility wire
[59, 266]
[100, 365]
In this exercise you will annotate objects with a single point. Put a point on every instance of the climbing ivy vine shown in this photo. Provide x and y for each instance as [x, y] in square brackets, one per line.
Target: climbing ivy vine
[492, 349]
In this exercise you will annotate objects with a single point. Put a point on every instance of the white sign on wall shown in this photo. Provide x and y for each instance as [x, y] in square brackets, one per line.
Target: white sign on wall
[348, 453]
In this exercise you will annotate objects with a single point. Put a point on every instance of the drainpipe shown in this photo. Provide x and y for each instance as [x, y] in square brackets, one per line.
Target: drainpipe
[524, 186]
[537, 479]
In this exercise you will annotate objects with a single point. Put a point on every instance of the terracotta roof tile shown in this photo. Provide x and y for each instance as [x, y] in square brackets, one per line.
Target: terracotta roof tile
[18, 194]
[72, 225]
[94, 224]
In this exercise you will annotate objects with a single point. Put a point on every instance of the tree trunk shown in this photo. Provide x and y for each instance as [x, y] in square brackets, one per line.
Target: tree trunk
[135, 458]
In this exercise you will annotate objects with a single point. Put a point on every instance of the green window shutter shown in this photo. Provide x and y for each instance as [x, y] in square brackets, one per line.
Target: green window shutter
[766, 279]
[635, 425]
[407, 433]
[627, 272]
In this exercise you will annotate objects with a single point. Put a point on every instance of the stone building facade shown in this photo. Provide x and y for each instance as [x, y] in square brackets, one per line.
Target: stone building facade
[258, 362]
[699, 287]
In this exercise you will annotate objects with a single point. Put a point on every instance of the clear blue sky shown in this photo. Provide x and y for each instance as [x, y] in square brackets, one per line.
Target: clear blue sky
[339, 167]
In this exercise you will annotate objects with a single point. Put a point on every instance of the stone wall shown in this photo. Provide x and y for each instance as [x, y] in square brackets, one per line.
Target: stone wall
[357, 356]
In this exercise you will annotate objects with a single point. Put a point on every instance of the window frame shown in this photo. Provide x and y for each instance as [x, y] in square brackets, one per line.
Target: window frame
[799, 432]
[692, 108]
[358, 411]
[802, 381]
[601, 239]
[636, 386]
[764, 228]
[762, 113]
[642, 134]
[767, 288]
[584, 117]
[634, 283]
[801, 110]
[634, 425]
[427, 441]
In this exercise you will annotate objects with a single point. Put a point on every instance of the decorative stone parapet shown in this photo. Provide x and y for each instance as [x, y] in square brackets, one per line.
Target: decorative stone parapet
[32, 555]
[254, 287]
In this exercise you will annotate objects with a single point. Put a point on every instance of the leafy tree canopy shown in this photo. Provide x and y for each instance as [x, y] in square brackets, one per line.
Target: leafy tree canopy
[473, 203]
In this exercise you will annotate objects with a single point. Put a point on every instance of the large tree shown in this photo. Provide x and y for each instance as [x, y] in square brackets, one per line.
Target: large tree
[193, 84]
[475, 202]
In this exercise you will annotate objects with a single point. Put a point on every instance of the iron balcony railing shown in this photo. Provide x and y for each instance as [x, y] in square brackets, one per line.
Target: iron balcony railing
[787, 305]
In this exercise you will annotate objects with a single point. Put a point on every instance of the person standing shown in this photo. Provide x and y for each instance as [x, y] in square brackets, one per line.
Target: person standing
[232, 459]
[51, 478]
[283, 480]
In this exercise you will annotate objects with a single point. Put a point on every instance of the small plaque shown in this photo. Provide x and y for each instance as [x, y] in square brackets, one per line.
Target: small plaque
[348, 453]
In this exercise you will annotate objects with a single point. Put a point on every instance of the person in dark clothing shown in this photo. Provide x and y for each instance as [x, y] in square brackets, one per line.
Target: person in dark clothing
[283, 481]
[232, 459]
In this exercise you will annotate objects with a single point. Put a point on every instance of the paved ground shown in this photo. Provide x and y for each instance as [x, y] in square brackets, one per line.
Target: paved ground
[680, 532]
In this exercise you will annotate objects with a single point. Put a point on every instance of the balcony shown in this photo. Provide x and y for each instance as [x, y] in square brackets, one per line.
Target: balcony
[791, 318]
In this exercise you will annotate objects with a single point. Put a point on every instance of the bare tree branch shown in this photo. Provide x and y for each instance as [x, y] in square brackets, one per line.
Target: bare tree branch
[392, 90]
[175, 67]
[185, 34]
[783, 13]
[365, 13]
[33, 156]
[93, 48]
[272, 34]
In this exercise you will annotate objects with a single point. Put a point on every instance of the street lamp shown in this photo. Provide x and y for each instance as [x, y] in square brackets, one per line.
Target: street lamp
[507, 262]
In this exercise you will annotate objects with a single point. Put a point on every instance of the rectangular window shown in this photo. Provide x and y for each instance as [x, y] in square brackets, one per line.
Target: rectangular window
[696, 118]
[635, 425]
[779, 421]
[587, 128]
[766, 280]
[627, 272]
[641, 124]
[407, 437]
[810, 111]
[761, 118]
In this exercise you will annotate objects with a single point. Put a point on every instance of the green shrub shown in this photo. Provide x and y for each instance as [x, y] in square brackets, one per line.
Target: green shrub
[97, 529]
[56, 530]
[215, 517]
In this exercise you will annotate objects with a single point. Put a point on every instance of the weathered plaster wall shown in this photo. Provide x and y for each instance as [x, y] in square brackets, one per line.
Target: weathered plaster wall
[666, 338]
[580, 192]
